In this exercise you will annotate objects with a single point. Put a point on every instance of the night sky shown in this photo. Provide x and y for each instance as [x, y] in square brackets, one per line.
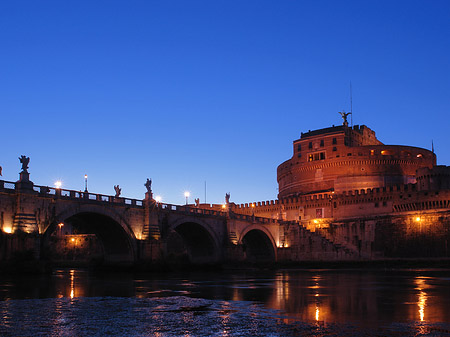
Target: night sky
[184, 92]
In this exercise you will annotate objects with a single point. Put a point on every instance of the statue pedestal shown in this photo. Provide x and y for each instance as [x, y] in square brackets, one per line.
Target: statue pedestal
[24, 176]
[24, 182]
[148, 196]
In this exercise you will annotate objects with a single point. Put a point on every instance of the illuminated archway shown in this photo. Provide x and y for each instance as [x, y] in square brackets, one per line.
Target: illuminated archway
[193, 240]
[90, 236]
[257, 246]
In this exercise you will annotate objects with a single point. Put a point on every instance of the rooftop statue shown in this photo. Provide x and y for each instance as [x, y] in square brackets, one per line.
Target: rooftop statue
[227, 198]
[344, 117]
[24, 160]
[118, 190]
[197, 202]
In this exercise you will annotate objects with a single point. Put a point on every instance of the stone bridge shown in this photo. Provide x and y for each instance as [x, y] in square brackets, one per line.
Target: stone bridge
[74, 225]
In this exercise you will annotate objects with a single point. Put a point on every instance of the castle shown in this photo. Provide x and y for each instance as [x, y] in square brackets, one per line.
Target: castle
[374, 199]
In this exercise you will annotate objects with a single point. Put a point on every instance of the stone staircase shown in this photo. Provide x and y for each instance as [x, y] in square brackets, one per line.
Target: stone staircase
[325, 242]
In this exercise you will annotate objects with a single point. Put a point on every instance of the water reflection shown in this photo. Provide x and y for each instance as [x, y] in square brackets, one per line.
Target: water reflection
[422, 297]
[366, 298]
[72, 281]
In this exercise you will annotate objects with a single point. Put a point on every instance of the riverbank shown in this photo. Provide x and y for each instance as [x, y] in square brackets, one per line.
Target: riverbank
[31, 266]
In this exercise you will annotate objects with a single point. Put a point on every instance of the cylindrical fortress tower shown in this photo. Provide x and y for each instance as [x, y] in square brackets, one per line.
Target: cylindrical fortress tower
[343, 158]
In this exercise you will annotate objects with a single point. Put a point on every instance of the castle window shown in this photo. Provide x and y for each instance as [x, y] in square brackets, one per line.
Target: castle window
[299, 155]
[334, 148]
[316, 156]
[334, 141]
[310, 145]
[322, 143]
[372, 152]
[299, 147]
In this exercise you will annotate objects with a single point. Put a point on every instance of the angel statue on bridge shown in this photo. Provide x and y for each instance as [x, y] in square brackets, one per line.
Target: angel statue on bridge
[118, 190]
[148, 185]
[24, 160]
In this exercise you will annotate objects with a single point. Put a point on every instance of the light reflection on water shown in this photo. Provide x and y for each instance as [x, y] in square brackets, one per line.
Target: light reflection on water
[417, 301]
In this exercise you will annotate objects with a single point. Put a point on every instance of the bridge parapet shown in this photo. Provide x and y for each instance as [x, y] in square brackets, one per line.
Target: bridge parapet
[254, 219]
[213, 212]
[190, 210]
[9, 186]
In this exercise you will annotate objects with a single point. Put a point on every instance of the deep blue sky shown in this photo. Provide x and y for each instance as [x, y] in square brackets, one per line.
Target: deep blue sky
[185, 92]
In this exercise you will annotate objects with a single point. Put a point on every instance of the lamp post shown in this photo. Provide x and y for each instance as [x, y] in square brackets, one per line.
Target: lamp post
[85, 183]
[186, 194]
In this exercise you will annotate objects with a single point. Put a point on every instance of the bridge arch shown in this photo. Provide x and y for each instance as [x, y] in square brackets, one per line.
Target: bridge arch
[258, 244]
[198, 241]
[112, 232]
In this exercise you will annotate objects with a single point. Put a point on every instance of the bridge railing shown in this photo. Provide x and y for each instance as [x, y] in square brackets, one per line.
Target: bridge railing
[72, 194]
[190, 209]
[251, 218]
[194, 210]
[7, 185]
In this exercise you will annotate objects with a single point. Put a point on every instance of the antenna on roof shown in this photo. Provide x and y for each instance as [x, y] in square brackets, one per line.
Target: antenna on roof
[351, 105]
[432, 146]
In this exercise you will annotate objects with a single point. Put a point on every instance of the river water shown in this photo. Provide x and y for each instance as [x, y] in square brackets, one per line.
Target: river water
[76, 302]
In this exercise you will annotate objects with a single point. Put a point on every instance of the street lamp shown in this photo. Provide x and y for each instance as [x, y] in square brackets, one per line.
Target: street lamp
[85, 183]
[187, 194]
[58, 184]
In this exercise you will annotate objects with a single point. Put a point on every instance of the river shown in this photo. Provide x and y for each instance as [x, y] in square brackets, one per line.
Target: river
[77, 302]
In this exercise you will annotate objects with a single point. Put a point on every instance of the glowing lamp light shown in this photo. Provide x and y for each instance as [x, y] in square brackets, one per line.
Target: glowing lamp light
[224, 206]
[73, 239]
[158, 198]
[7, 230]
[187, 194]
[316, 221]
[418, 219]
[58, 184]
